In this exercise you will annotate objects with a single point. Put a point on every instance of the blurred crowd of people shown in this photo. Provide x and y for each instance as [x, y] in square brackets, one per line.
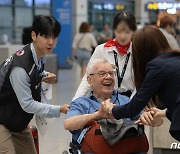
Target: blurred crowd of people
[169, 28]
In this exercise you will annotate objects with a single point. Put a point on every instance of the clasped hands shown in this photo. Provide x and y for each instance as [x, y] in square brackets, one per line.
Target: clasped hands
[105, 110]
[151, 116]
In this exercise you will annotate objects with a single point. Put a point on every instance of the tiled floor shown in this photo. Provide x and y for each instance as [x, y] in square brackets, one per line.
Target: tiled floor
[57, 139]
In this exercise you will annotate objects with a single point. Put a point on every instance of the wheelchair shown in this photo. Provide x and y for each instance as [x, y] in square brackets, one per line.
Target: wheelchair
[94, 142]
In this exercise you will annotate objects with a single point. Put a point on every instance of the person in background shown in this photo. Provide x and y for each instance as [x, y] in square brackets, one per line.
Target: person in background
[116, 52]
[153, 23]
[83, 44]
[166, 27]
[94, 31]
[5, 40]
[20, 88]
[106, 34]
[157, 78]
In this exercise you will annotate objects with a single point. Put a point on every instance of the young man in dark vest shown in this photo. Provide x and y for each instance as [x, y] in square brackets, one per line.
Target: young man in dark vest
[20, 88]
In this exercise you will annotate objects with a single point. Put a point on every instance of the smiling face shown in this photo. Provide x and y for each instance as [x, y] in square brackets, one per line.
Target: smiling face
[102, 80]
[123, 34]
[43, 44]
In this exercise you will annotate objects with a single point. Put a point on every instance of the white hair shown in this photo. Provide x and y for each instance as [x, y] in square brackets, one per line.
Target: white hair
[93, 63]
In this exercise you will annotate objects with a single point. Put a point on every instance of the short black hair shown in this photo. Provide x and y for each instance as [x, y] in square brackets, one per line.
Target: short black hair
[127, 17]
[26, 35]
[46, 25]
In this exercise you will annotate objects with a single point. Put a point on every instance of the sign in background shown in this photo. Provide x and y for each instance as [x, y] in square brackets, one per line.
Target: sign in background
[162, 6]
[62, 11]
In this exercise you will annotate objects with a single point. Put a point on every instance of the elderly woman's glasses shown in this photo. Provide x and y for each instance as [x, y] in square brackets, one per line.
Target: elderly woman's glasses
[104, 73]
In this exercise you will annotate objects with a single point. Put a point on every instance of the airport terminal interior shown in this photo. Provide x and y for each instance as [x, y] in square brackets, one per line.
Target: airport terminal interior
[16, 17]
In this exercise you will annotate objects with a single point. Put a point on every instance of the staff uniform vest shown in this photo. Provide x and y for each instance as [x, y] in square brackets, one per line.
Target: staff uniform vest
[11, 114]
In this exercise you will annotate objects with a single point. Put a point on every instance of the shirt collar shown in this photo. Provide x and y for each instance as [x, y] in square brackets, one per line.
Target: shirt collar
[92, 97]
[114, 48]
[113, 98]
[41, 60]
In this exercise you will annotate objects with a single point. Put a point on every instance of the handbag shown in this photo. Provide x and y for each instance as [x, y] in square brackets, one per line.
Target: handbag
[80, 41]
[94, 142]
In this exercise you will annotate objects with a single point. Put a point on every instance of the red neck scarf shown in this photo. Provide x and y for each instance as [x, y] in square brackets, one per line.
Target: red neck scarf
[120, 48]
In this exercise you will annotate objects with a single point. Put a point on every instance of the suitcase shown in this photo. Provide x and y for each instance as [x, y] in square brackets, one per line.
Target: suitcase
[34, 132]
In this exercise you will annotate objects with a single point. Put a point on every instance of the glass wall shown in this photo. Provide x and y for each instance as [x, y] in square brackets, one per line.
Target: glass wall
[5, 22]
[42, 7]
[5, 2]
[15, 15]
[103, 11]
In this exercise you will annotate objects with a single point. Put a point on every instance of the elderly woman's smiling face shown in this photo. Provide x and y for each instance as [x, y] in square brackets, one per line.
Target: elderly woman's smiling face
[102, 80]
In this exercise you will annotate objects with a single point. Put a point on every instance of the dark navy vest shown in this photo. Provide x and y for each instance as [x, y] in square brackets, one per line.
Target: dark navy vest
[11, 114]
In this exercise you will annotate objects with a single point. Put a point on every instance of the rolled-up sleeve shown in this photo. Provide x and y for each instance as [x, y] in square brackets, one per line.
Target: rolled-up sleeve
[76, 108]
[20, 82]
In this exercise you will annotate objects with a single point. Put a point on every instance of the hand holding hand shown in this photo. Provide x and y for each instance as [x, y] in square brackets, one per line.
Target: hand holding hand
[145, 118]
[151, 117]
[105, 110]
[158, 113]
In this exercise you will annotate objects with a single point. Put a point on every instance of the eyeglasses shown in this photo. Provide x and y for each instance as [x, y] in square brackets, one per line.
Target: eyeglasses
[104, 74]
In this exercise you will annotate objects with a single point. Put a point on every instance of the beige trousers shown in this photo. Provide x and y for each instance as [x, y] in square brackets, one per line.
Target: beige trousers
[15, 142]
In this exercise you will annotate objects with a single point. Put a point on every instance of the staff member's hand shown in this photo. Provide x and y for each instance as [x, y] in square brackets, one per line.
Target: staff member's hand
[151, 117]
[146, 118]
[50, 78]
[64, 108]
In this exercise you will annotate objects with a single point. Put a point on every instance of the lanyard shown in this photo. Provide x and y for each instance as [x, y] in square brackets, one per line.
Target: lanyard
[120, 76]
[81, 136]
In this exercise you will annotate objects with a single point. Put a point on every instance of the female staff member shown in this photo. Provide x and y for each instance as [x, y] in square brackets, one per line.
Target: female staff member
[157, 75]
[118, 53]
